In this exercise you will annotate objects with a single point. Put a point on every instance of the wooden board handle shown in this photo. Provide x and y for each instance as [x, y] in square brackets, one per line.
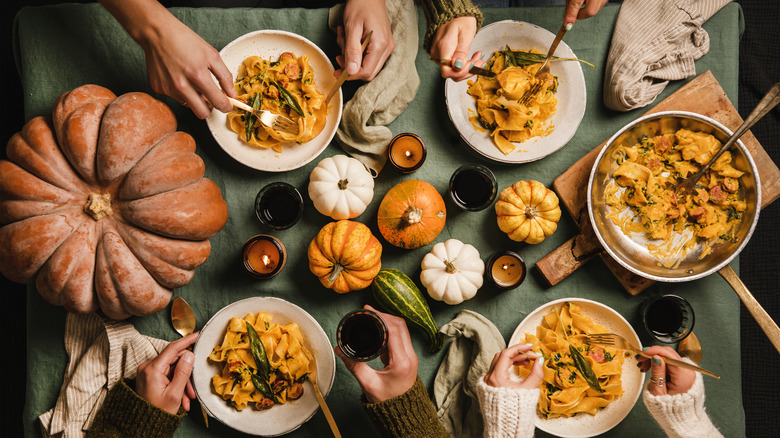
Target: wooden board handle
[567, 258]
[767, 324]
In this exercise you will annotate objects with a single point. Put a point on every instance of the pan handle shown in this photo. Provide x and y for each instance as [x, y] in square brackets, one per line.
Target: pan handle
[763, 319]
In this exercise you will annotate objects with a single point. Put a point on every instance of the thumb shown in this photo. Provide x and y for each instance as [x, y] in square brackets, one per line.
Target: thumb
[353, 56]
[537, 374]
[572, 9]
[461, 55]
[657, 376]
[181, 375]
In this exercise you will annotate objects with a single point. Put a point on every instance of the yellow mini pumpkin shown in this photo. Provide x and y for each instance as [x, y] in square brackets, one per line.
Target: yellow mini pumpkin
[345, 256]
[528, 211]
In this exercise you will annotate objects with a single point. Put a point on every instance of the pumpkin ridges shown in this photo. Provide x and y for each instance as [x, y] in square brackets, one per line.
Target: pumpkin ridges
[78, 136]
[397, 201]
[18, 183]
[70, 101]
[345, 256]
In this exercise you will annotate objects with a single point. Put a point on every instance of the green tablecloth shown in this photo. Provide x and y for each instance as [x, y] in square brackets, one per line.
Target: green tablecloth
[62, 47]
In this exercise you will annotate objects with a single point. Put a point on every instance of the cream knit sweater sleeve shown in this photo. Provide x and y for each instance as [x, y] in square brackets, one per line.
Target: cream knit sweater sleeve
[682, 415]
[507, 412]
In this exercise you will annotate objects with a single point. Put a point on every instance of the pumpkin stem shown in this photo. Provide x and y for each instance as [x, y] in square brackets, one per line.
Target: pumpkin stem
[449, 267]
[530, 212]
[337, 268]
[343, 184]
[412, 215]
[98, 206]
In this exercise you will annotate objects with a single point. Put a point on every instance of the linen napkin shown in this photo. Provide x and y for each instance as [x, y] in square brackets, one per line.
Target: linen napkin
[476, 341]
[654, 42]
[362, 132]
[102, 352]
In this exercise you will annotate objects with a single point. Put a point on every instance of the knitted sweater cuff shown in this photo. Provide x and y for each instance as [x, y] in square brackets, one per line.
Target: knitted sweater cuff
[126, 414]
[411, 414]
[439, 12]
[681, 415]
[508, 412]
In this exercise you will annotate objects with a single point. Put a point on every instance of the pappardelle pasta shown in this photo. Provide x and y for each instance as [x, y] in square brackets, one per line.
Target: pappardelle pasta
[498, 101]
[284, 364]
[578, 378]
[285, 87]
[642, 197]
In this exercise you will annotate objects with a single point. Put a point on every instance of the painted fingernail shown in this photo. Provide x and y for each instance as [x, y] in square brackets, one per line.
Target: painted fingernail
[482, 56]
[638, 356]
[530, 345]
[458, 64]
[656, 361]
[646, 348]
[639, 364]
[569, 26]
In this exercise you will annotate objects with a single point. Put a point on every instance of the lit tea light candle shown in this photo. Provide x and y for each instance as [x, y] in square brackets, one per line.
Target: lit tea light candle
[264, 256]
[407, 152]
[507, 270]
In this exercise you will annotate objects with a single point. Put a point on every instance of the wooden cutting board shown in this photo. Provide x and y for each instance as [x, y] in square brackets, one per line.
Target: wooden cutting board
[703, 95]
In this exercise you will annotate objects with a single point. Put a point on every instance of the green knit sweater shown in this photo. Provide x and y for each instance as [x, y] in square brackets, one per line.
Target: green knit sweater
[126, 414]
[410, 415]
[439, 12]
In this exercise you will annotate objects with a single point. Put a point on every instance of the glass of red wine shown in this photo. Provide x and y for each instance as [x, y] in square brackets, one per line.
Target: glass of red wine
[362, 335]
[668, 318]
[473, 187]
[279, 205]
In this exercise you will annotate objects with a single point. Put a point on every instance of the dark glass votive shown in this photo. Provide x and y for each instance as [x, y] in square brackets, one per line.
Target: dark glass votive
[473, 187]
[668, 318]
[279, 205]
[362, 335]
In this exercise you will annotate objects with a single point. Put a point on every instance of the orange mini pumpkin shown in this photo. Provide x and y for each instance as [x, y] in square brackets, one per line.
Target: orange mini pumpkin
[345, 255]
[527, 211]
[411, 214]
[105, 206]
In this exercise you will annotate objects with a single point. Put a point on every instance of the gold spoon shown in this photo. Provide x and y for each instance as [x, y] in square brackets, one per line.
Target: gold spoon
[183, 321]
[690, 347]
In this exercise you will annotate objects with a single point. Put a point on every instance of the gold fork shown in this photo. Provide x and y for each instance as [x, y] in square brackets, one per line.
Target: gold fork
[544, 71]
[274, 121]
[617, 341]
[318, 394]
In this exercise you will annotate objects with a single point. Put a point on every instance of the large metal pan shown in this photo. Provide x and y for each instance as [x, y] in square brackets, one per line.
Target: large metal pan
[632, 251]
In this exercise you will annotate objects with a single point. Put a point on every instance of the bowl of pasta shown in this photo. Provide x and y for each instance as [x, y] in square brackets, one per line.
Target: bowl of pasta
[286, 74]
[649, 228]
[252, 359]
[567, 405]
[491, 115]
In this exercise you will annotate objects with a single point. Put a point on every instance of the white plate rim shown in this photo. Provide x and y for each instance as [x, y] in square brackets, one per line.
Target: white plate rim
[267, 159]
[314, 336]
[632, 379]
[572, 96]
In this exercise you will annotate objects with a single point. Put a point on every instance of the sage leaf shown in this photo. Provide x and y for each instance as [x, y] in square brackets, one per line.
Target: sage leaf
[289, 99]
[518, 58]
[263, 386]
[583, 366]
[258, 352]
[249, 126]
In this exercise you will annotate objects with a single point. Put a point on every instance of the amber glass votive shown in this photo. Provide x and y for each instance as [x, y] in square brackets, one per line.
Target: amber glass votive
[506, 270]
[407, 152]
[263, 256]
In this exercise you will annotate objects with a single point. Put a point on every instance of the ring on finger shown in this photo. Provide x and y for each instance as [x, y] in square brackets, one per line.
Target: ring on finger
[659, 382]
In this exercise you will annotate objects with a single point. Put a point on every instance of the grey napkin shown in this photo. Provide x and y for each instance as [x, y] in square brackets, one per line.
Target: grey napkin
[655, 41]
[475, 342]
[362, 132]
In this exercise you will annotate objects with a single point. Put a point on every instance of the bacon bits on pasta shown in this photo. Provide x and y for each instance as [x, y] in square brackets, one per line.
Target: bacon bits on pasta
[564, 391]
[285, 87]
[289, 365]
[642, 198]
[498, 103]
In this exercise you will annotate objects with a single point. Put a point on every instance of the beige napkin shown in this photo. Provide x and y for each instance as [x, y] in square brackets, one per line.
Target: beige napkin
[655, 41]
[102, 352]
[362, 132]
[475, 341]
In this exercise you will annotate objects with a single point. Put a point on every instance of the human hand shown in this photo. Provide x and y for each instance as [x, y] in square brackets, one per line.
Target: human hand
[165, 380]
[519, 354]
[360, 18]
[400, 371]
[665, 379]
[453, 41]
[576, 11]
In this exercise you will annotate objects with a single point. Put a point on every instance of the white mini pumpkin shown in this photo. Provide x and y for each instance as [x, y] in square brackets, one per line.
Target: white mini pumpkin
[452, 272]
[341, 187]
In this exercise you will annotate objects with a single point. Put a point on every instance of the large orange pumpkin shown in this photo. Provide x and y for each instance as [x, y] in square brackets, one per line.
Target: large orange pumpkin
[106, 206]
[345, 256]
[411, 214]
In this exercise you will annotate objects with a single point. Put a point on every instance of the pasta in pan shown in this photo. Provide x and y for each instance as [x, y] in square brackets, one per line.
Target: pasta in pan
[642, 198]
[569, 388]
[498, 102]
[285, 87]
[288, 363]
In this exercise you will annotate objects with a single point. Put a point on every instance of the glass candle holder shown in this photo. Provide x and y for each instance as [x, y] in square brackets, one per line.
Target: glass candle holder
[362, 335]
[668, 318]
[263, 256]
[506, 270]
[473, 187]
[407, 152]
[279, 205]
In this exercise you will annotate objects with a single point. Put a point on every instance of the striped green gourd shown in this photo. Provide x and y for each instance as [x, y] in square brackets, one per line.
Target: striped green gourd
[398, 294]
